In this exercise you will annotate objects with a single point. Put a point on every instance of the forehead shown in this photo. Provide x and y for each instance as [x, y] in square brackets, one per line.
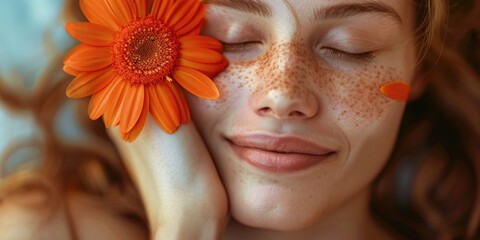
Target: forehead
[312, 10]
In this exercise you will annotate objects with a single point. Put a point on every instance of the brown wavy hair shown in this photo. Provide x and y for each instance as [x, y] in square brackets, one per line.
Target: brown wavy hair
[89, 164]
[428, 190]
[430, 187]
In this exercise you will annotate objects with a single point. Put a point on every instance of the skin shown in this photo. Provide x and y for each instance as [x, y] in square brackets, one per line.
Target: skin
[285, 81]
[283, 84]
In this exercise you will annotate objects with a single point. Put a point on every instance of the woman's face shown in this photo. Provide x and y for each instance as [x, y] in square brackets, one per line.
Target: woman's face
[301, 125]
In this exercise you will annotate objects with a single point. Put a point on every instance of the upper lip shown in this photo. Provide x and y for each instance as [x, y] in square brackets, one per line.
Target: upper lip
[280, 144]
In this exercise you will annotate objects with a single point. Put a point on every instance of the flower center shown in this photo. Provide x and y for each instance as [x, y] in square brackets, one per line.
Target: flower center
[145, 51]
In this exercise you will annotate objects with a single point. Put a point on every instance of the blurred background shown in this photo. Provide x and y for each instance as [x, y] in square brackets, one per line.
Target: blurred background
[33, 42]
[36, 116]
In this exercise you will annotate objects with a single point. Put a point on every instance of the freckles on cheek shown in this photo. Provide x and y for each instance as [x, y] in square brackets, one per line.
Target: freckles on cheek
[285, 67]
[290, 68]
[357, 96]
[229, 84]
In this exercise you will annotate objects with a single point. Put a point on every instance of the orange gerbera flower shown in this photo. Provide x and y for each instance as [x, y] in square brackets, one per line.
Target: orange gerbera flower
[132, 63]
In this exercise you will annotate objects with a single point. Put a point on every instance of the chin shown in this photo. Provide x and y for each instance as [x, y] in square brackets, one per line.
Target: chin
[275, 210]
[280, 221]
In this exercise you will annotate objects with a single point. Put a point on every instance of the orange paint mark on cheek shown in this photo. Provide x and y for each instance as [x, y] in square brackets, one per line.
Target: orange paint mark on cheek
[354, 96]
[396, 90]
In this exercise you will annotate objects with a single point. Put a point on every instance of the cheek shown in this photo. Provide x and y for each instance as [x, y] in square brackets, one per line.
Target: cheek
[231, 85]
[283, 67]
[356, 98]
[351, 98]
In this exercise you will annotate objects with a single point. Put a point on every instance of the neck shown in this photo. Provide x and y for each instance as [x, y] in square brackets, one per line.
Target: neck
[352, 220]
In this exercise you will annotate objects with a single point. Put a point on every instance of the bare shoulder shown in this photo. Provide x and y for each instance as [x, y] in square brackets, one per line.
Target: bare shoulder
[94, 221]
[19, 221]
[12, 217]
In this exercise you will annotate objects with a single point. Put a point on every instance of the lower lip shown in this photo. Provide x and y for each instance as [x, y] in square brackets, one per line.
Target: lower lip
[277, 162]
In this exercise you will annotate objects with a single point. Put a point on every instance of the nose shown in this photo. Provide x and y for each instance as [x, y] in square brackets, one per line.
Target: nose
[279, 104]
[283, 89]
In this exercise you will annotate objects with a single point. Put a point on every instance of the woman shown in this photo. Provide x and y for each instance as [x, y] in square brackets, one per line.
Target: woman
[301, 144]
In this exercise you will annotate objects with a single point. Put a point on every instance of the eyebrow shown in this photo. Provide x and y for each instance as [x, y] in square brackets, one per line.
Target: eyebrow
[250, 6]
[347, 10]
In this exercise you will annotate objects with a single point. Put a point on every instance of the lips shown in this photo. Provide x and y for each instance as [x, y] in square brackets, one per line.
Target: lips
[278, 154]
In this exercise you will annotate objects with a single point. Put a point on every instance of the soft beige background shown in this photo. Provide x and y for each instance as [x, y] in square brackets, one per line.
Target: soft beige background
[32, 37]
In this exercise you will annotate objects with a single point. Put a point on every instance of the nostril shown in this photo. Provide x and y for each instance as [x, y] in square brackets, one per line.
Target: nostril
[296, 114]
[279, 104]
[264, 110]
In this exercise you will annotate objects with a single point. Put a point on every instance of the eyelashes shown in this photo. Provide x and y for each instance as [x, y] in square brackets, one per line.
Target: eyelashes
[349, 56]
[245, 41]
[328, 52]
[239, 46]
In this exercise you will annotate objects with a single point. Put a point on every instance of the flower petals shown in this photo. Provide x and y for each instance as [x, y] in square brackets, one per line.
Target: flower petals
[196, 83]
[88, 83]
[125, 10]
[182, 102]
[193, 20]
[159, 111]
[167, 98]
[115, 103]
[211, 70]
[101, 100]
[190, 42]
[132, 107]
[194, 31]
[181, 12]
[124, 99]
[96, 12]
[201, 55]
[141, 6]
[131, 135]
[74, 50]
[88, 58]
[90, 33]
[71, 71]
[160, 8]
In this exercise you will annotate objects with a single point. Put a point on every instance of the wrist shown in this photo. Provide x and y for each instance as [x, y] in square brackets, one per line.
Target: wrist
[190, 228]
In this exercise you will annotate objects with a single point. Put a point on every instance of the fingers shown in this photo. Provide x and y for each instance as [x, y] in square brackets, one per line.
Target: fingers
[177, 180]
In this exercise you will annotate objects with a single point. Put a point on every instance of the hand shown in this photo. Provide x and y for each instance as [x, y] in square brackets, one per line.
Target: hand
[180, 187]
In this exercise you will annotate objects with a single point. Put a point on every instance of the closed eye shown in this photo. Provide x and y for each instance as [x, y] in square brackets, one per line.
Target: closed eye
[240, 46]
[349, 56]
